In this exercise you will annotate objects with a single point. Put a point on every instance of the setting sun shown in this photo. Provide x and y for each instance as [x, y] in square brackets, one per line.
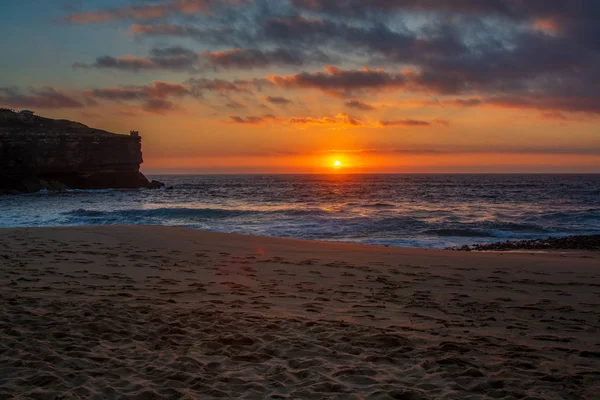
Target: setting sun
[337, 163]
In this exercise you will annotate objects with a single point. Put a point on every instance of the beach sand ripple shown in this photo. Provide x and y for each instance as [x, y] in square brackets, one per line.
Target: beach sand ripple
[159, 313]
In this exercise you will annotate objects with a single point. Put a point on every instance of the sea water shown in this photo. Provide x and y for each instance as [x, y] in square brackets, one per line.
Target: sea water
[400, 210]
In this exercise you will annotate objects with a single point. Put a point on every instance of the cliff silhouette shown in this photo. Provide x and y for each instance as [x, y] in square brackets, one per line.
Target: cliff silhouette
[39, 153]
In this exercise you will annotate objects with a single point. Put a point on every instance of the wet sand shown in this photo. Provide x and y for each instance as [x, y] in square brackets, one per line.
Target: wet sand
[165, 313]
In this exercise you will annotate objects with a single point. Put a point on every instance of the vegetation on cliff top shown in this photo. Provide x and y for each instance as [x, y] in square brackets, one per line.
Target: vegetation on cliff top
[12, 122]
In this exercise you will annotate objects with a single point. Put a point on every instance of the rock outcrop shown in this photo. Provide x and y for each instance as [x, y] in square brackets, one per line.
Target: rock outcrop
[579, 242]
[41, 153]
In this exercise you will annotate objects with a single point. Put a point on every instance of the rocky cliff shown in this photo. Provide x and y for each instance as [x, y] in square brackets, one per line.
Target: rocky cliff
[41, 153]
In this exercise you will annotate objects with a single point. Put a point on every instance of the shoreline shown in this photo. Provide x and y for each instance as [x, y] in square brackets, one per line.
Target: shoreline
[484, 248]
[163, 312]
[537, 246]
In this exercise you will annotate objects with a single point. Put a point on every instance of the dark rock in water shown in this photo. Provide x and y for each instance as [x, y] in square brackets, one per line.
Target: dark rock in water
[45, 154]
[155, 184]
[581, 242]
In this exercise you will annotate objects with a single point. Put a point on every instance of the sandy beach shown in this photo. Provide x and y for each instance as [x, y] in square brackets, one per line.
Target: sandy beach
[144, 312]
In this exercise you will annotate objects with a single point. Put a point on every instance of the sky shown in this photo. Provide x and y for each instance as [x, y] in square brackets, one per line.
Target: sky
[291, 86]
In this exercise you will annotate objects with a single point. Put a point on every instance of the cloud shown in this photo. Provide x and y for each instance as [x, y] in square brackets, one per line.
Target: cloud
[569, 94]
[549, 102]
[170, 58]
[527, 50]
[148, 12]
[252, 58]
[391, 45]
[341, 82]
[555, 115]
[154, 98]
[159, 106]
[443, 122]
[359, 105]
[254, 120]
[298, 29]
[404, 122]
[165, 30]
[235, 105]
[349, 151]
[546, 25]
[413, 123]
[278, 100]
[221, 36]
[46, 97]
[511, 9]
[550, 105]
[178, 58]
[157, 89]
[531, 54]
[472, 102]
[200, 85]
[339, 121]
[149, 95]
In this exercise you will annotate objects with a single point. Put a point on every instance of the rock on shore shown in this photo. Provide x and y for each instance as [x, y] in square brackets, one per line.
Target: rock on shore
[581, 242]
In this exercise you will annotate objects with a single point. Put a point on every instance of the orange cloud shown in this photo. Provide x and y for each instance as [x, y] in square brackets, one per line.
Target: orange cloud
[546, 25]
[162, 29]
[154, 97]
[349, 151]
[254, 120]
[147, 12]
[403, 122]
[359, 105]
[46, 97]
[338, 121]
[134, 12]
[336, 81]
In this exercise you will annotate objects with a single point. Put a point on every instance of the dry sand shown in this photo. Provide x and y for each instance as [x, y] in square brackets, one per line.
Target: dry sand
[155, 312]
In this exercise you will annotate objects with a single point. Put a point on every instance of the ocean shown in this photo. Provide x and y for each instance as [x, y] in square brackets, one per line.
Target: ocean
[432, 211]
